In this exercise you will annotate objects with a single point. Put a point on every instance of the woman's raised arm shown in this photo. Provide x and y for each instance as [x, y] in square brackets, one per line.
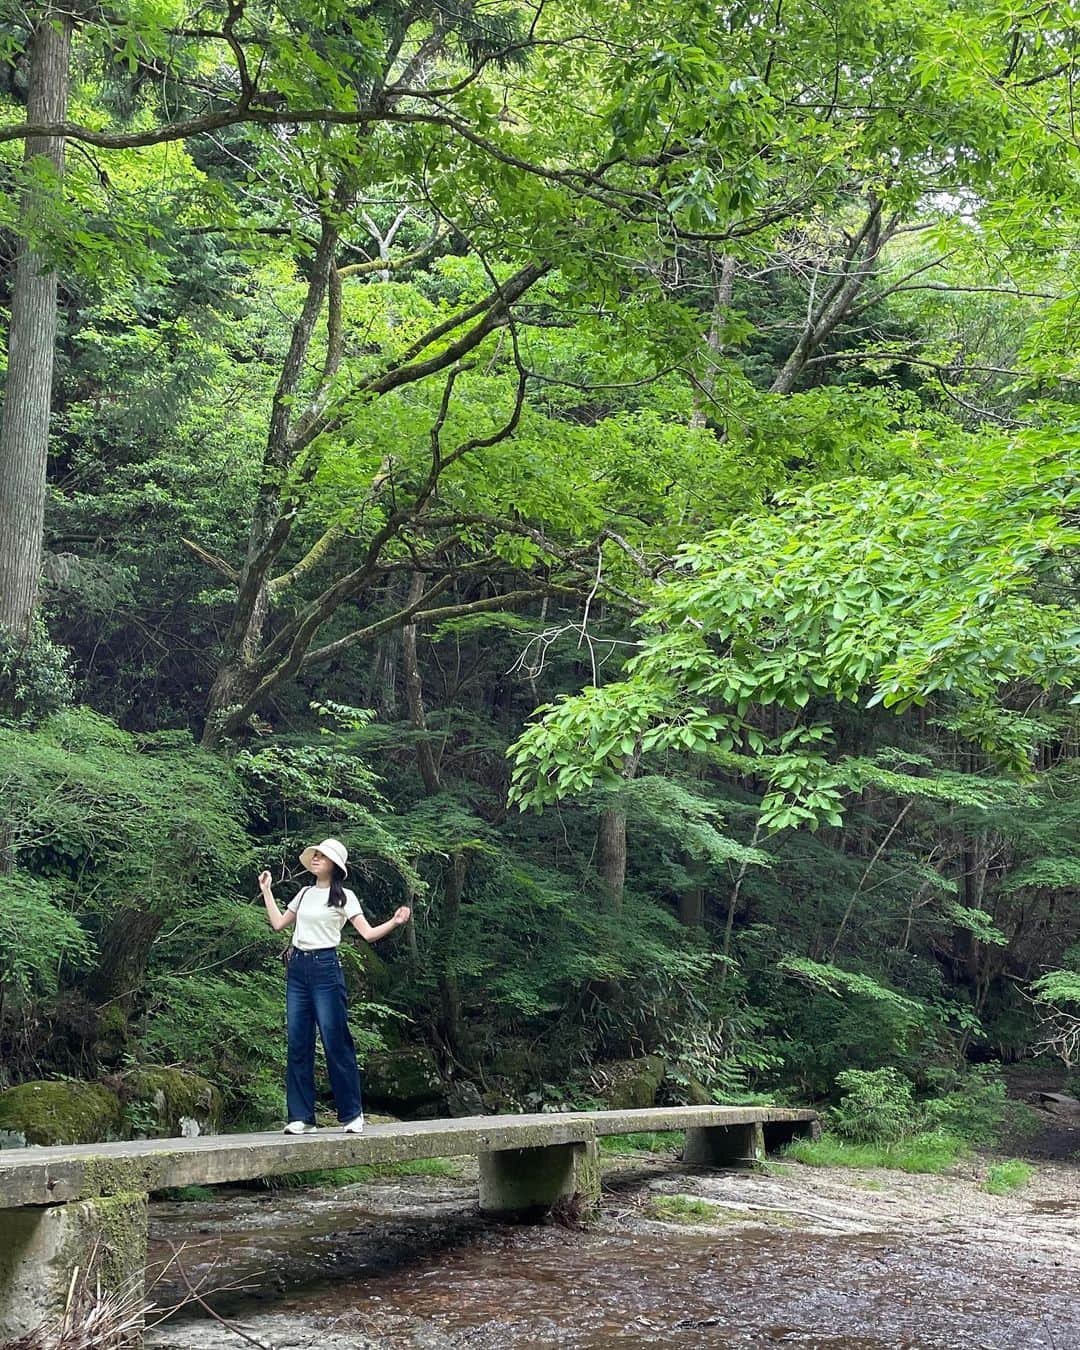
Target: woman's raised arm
[370, 934]
[275, 917]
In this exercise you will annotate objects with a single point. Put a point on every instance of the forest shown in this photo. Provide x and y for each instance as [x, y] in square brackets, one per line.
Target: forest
[614, 468]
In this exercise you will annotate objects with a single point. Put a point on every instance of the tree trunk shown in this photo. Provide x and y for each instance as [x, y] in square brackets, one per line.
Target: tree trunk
[611, 853]
[692, 907]
[723, 288]
[24, 428]
[271, 525]
[611, 839]
[125, 950]
[232, 685]
[733, 902]
[382, 678]
[414, 697]
[859, 266]
[449, 989]
[967, 950]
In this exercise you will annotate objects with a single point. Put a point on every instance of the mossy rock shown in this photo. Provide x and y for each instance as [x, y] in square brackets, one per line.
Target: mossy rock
[514, 1061]
[405, 1082]
[629, 1084]
[111, 1036]
[162, 1103]
[367, 976]
[686, 1092]
[60, 1113]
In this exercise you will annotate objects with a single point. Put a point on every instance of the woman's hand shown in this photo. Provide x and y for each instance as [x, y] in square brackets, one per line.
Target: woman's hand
[402, 915]
[266, 881]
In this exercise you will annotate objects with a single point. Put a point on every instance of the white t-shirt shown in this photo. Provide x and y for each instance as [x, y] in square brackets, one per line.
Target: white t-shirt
[317, 923]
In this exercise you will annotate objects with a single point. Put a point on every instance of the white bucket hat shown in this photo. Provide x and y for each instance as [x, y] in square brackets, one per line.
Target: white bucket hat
[333, 849]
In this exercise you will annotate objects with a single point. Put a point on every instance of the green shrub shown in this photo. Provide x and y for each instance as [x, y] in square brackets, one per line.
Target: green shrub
[187, 1194]
[931, 1152]
[1012, 1175]
[974, 1110]
[935, 1151]
[35, 675]
[877, 1106]
[686, 1209]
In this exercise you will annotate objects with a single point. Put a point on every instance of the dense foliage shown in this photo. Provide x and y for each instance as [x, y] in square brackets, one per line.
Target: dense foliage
[620, 477]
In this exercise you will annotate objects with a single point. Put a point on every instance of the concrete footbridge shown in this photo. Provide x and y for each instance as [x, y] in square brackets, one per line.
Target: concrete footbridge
[65, 1208]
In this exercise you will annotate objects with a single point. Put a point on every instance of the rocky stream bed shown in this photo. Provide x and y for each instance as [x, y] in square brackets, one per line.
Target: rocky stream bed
[794, 1256]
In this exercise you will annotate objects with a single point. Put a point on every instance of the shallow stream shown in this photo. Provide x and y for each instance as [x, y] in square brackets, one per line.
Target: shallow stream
[797, 1256]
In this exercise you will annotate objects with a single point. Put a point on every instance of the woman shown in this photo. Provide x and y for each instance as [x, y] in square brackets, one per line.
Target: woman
[316, 987]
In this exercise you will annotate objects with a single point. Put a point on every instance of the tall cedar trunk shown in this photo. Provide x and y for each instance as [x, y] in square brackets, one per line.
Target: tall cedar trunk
[733, 901]
[449, 1014]
[967, 949]
[24, 428]
[381, 685]
[382, 678]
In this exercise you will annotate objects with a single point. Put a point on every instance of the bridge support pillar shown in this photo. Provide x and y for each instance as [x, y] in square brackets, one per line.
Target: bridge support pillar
[54, 1258]
[524, 1180]
[725, 1146]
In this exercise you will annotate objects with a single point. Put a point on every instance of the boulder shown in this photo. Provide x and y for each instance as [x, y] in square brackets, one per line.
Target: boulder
[516, 1061]
[628, 1084]
[168, 1103]
[367, 976]
[686, 1090]
[463, 1099]
[405, 1082]
[59, 1112]
[147, 1102]
[1058, 1103]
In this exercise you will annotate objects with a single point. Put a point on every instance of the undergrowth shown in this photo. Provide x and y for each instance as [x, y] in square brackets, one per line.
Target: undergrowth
[686, 1209]
[1012, 1175]
[931, 1152]
[657, 1141]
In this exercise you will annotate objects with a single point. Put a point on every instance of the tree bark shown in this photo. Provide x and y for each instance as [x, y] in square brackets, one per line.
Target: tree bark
[859, 266]
[611, 840]
[692, 907]
[24, 428]
[733, 903]
[723, 289]
[125, 950]
[426, 761]
[449, 988]
[270, 524]
[611, 853]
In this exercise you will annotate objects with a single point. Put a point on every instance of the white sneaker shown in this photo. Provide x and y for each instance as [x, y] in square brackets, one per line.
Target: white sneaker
[299, 1127]
[355, 1126]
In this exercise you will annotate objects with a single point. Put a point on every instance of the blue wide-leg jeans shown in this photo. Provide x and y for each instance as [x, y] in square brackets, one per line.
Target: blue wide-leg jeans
[315, 997]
